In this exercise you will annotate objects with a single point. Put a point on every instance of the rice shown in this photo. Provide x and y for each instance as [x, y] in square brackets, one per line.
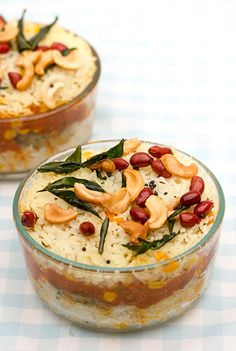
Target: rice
[14, 103]
[66, 240]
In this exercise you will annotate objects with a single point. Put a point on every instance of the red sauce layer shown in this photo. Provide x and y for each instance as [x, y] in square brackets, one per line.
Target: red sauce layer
[134, 293]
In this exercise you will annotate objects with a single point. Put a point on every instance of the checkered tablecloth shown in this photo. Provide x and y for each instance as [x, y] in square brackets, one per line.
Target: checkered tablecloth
[168, 75]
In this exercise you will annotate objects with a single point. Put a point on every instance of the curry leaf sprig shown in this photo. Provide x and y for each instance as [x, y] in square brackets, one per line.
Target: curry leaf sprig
[145, 245]
[177, 211]
[76, 156]
[69, 182]
[68, 166]
[32, 43]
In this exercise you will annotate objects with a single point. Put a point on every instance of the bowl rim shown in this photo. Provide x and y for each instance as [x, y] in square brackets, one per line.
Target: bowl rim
[55, 111]
[77, 265]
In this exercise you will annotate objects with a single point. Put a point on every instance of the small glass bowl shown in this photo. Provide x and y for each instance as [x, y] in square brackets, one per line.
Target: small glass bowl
[26, 141]
[119, 299]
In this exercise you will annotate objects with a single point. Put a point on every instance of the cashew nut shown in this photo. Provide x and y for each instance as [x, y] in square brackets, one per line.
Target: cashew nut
[26, 61]
[134, 182]
[134, 229]
[106, 165]
[49, 89]
[118, 202]
[94, 197]
[158, 212]
[57, 215]
[176, 168]
[71, 61]
[45, 60]
[131, 145]
[8, 33]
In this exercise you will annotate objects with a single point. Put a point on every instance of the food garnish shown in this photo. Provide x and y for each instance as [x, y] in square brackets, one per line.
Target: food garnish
[70, 197]
[148, 211]
[57, 215]
[103, 234]
[32, 43]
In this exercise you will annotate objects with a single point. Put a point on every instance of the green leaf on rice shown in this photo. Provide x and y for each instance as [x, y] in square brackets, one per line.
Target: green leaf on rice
[60, 167]
[114, 152]
[103, 234]
[32, 43]
[69, 182]
[145, 245]
[76, 156]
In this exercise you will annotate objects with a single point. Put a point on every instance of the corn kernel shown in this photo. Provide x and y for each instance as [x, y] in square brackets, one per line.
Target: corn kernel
[156, 284]
[121, 326]
[9, 134]
[36, 28]
[170, 267]
[161, 256]
[87, 155]
[24, 131]
[109, 296]
[141, 260]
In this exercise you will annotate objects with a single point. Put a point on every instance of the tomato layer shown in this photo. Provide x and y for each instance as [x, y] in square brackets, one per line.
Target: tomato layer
[137, 293]
[11, 133]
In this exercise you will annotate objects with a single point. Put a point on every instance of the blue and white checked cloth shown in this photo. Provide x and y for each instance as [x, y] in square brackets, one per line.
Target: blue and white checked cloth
[168, 75]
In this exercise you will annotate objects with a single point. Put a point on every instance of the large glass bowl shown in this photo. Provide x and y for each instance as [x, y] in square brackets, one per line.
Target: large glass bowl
[26, 141]
[119, 299]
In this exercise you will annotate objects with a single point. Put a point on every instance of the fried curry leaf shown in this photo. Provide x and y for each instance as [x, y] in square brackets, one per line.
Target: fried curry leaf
[67, 51]
[41, 34]
[69, 182]
[70, 197]
[178, 210]
[114, 152]
[103, 234]
[76, 156]
[22, 43]
[32, 43]
[145, 245]
[60, 167]
[65, 167]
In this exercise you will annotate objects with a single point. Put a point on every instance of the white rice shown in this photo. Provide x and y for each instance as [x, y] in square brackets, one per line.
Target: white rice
[14, 103]
[68, 242]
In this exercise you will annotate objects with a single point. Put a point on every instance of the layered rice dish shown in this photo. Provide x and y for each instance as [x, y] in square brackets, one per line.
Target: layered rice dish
[135, 207]
[42, 68]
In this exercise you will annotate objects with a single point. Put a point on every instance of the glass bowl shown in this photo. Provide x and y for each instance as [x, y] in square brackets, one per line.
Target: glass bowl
[119, 299]
[26, 141]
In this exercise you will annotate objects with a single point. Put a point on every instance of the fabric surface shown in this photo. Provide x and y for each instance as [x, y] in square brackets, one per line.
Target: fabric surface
[168, 75]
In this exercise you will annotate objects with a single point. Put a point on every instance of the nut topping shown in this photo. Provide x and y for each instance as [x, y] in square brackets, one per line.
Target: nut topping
[45, 60]
[94, 197]
[71, 61]
[107, 166]
[131, 145]
[118, 202]
[49, 89]
[8, 33]
[27, 61]
[178, 169]
[158, 212]
[134, 182]
[57, 215]
[134, 229]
